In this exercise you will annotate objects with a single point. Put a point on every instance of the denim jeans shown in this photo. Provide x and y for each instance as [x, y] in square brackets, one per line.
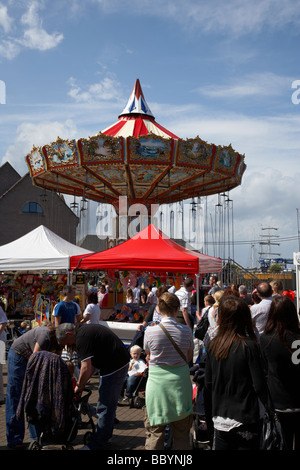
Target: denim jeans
[15, 428]
[131, 384]
[110, 387]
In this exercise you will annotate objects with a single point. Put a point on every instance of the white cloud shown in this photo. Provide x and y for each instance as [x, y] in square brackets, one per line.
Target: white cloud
[5, 20]
[9, 49]
[32, 134]
[266, 139]
[239, 17]
[233, 17]
[28, 33]
[269, 193]
[38, 38]
[35, 36]
[266, 198]
[104, 90]
[255, 84]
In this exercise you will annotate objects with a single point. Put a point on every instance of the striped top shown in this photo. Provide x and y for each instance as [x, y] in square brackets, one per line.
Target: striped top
[162, 351]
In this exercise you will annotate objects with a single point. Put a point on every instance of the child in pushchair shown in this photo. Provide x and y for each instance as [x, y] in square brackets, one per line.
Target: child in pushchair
[136, 376]
[48, 401]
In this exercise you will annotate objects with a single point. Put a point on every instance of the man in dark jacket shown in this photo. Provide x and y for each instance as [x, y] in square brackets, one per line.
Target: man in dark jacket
[244, 295]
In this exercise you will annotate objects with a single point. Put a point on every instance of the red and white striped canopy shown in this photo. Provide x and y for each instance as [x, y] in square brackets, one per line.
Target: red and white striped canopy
[137, 119]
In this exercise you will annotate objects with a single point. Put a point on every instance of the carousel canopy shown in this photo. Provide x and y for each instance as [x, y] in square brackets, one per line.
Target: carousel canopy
[137, 119]
[138, 158]
[40, 249]
[149, 250]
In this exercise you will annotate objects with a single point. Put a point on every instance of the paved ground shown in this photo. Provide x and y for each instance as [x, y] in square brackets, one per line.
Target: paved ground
[126, 447]
[129, 434]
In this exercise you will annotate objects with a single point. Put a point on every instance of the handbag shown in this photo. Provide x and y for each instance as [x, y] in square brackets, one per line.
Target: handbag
[271, 436]
[173, 342]
[202, 326]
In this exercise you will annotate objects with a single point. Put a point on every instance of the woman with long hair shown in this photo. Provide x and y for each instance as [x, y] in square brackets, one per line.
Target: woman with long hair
[277, 288]
[278, 344]
[129, 296]
[169, 387]
[92, 311]
[213, 312]
[234, 378]
[143, 297]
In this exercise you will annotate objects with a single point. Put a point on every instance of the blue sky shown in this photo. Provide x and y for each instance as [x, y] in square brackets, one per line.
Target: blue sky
[220, 70]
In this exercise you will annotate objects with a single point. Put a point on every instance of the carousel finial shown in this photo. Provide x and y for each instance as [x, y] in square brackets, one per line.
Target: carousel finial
[137, 103]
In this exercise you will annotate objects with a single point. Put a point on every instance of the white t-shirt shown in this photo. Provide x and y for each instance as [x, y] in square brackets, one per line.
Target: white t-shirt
[93, 313]
[184, 297]
[212, 314]
[138, 366]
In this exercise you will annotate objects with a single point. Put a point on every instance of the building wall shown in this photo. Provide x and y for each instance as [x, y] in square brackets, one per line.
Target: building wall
[93, 243]
[56, 215]
[8, 177]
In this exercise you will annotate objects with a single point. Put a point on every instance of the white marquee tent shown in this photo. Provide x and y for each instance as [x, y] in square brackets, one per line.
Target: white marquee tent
[40, 249]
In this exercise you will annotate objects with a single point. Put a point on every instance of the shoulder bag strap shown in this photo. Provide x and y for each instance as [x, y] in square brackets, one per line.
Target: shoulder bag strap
[173, 342]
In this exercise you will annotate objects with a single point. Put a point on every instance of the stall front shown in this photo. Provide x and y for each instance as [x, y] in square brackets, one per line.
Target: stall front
[25, 262]
[149, 251]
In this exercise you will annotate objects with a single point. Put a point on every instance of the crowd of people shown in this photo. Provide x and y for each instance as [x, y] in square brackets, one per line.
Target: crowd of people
[249, 365]
[247, 351]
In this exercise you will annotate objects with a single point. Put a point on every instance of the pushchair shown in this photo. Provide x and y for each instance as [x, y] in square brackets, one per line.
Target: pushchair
[48, 401]
[200, 432]
[136, 400]
[12, 333]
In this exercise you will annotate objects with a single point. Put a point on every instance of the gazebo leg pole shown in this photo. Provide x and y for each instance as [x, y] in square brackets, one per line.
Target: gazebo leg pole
[197, 290]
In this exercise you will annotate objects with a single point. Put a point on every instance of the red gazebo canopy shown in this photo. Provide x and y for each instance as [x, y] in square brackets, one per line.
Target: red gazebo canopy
[149, 250]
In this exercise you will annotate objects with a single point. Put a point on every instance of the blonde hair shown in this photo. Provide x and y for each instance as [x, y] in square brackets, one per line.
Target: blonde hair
[129, 293]
[277, 286]
[136, 348]
[168, 304]
[218, 295]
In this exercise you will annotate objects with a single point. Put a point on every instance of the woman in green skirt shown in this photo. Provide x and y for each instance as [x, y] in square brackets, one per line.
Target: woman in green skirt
[169, 388]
